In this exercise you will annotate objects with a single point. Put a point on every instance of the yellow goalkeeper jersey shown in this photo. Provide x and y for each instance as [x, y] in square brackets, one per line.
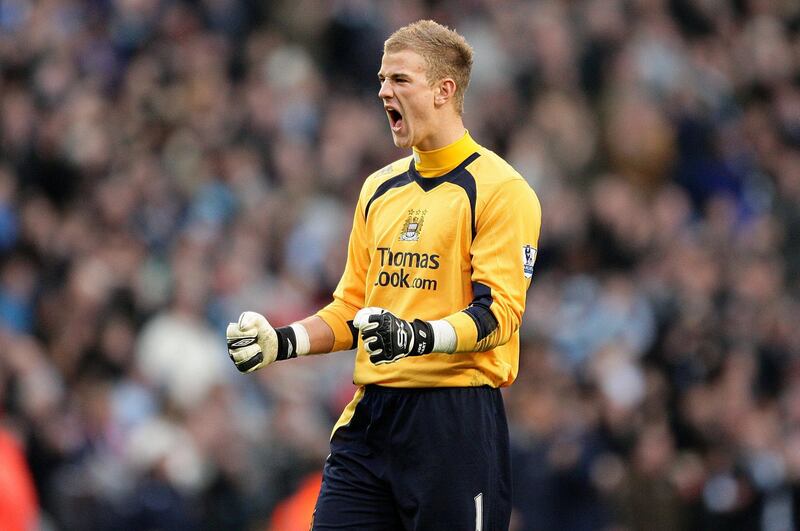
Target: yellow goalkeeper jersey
[446, 234]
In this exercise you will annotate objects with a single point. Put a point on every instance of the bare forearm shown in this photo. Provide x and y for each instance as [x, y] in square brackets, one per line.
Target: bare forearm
[320, 335]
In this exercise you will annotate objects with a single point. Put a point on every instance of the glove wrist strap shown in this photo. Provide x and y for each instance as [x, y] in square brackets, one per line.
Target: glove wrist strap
[423, 338]
[287, 343]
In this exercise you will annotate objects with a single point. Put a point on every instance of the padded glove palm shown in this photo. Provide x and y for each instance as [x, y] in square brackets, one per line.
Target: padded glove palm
[252, 342]
[388, 338]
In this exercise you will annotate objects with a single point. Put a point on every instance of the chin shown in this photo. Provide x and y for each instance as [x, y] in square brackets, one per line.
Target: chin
[404, 143]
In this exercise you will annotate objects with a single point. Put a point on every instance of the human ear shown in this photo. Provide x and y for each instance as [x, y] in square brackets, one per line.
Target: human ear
[445, 91]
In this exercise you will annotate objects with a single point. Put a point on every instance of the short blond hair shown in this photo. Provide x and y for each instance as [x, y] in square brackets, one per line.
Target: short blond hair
[446, 53]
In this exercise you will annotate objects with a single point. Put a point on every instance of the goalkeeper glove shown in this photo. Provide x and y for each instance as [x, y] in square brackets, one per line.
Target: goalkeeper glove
[253, 343]
[388, 338]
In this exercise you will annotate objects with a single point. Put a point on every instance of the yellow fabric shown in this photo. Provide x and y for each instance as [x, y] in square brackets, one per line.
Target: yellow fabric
[440, 161]
[414, 254]
[349, 410]
[466, 332]
[335, 318]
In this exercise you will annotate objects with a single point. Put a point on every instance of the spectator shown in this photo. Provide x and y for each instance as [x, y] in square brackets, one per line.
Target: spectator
[660, 338]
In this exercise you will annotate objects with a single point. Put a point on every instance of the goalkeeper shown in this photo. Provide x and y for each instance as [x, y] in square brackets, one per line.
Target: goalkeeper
[440, 257]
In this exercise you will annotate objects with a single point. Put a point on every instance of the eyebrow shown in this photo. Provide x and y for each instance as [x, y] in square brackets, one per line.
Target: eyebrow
[392, 76]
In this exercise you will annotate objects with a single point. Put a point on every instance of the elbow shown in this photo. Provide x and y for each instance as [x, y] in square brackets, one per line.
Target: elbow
[496, 319]
[492, 332]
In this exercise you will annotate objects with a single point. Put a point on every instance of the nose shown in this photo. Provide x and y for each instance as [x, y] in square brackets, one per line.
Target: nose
[385, 90]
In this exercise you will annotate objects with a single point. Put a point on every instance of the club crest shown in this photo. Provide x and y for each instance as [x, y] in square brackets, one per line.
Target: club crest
[412, 227]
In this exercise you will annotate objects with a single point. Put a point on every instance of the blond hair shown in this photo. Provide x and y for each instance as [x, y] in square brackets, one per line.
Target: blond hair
[446, 53]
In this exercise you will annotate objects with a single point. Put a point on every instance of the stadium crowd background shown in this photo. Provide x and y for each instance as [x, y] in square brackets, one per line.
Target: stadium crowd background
[167, 164]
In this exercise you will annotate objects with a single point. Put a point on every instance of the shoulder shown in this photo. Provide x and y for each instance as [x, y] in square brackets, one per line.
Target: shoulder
[497, 180]
[381, 176]
[390, 170]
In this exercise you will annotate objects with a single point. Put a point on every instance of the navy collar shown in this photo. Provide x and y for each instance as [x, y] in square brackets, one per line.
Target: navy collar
[429, 183]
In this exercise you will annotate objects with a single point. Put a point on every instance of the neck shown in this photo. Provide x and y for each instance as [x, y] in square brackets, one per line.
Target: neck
[436, 162]
[447, 133]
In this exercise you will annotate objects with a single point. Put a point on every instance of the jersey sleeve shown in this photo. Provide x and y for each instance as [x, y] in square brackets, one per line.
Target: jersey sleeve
[348, 297]
[503, 253]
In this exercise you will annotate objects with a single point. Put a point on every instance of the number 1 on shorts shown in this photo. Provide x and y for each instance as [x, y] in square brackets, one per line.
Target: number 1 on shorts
[479, 512]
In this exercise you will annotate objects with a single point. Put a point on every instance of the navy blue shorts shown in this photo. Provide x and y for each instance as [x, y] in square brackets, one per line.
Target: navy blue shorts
[419, 459]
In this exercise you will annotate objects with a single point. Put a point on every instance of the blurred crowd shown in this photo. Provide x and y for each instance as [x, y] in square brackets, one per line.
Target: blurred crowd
[167, 164]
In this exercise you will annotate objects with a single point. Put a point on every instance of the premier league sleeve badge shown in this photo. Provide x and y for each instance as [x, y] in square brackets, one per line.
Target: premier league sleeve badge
[528, 259]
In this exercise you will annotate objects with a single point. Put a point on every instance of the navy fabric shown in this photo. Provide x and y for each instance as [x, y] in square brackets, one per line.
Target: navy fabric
[415, 459]
[395, 182]
[458, 175]
[478, 309]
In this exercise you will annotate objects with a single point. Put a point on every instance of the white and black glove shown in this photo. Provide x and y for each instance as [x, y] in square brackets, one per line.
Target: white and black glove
[388, 338]
[253, 343]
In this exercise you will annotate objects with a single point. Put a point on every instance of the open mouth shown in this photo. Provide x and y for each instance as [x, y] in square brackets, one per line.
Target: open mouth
[395, 118]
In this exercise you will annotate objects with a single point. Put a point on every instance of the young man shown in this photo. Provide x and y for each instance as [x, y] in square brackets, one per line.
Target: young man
[440, 258]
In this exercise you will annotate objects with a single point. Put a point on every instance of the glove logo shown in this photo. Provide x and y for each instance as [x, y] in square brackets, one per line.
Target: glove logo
[528, 259]
[402, 338]
[244, 342]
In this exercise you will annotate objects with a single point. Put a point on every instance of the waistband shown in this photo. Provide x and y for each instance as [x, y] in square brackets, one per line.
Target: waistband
[382, 389]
